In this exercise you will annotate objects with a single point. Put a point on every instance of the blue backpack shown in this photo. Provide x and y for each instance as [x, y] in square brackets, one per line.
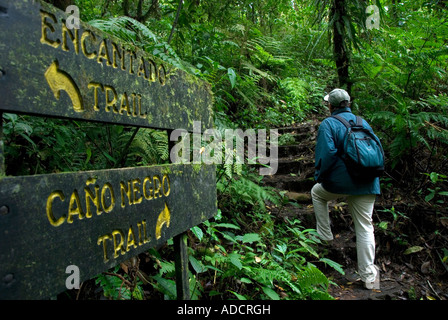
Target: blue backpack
[362, 151]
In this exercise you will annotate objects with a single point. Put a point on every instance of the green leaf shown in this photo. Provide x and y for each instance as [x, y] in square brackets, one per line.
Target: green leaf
[251, 237]
[232, 77]
[336, 266]
[227, 225]
[434, 177]
[235, 260]
[430, 196]
[271, 293]
[197, 265]
[239, 296]
[309, 248]
[89, 155]
[413, 249]
[197, 232]
[383, 225]
[245, 280]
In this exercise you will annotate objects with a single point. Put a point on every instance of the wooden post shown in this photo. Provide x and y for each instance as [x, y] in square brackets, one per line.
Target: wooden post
[181, 265]
[181, 254]
[2, 152]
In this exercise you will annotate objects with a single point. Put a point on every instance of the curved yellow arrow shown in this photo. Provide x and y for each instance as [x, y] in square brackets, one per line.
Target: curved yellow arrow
[60, 80]
[164, 218]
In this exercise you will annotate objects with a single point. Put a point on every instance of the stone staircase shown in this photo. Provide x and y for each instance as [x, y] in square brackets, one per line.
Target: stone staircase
[295, 174]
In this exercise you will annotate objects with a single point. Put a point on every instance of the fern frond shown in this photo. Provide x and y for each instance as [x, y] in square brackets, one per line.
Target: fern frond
[253, 193]
[310, 277]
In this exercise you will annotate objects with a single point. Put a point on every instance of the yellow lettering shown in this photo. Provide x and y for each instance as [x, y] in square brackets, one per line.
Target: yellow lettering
[157, 186]
[118, 245]
[136, 190]
[103, 239]
[134, 105]
[125, 104]
[85, 35]
[142, 69]
[109, 208]
[152, 71]
[127, 191]
[131, 59]
[139, 227]
[50, 215]
[162, 78]
[46, 25]
[77, 210]
[95, 87]
[143, 116]
[111, 102]
[131, 239]
[146, 238]
[74, 38]
[117, 53]
[94, 199]
[147, 192]
[166, 181]
[103, 53]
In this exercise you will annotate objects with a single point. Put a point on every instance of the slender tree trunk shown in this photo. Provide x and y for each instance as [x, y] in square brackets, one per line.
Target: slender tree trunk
[179, 8]
[61, 4]
[341, 50]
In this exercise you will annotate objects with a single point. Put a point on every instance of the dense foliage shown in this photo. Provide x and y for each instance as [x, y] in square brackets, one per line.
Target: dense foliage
[269, 64]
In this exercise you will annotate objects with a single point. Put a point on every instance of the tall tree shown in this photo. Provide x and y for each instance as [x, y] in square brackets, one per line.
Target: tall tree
[139, 15]
[341, 47]
[345, 19]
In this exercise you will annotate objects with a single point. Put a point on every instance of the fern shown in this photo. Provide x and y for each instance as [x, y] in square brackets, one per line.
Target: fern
[135, 32]
[148, 147]
[126, 29]
[253, 193]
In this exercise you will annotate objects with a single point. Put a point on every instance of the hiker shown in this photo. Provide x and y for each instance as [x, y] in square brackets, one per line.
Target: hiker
[334, 181]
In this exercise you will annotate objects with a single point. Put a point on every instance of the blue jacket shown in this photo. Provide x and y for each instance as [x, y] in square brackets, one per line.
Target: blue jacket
[330, 169]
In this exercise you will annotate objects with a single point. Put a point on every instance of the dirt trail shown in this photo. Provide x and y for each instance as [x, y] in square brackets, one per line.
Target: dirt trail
[411, 242]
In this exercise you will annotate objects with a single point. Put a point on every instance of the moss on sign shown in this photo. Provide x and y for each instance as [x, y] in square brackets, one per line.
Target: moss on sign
[86, 74]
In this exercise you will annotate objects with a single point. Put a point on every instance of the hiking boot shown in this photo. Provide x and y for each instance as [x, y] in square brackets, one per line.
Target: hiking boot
[374, 284]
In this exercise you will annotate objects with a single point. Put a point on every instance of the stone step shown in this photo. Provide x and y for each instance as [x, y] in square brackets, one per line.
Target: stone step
[295, 166]
[296, 150]
[305, 127]
[290, 182]
[300, 197]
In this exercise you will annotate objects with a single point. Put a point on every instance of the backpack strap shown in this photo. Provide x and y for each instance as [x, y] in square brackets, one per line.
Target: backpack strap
[347, 124]
[344, 122]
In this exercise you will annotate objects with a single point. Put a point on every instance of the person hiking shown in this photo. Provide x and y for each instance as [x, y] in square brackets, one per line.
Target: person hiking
[334, 182]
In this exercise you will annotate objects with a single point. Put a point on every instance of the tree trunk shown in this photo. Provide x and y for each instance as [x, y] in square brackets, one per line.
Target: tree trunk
[153, 10]
[61, 4]
[341, 50]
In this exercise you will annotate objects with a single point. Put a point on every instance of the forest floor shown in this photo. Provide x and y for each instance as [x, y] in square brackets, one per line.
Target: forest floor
[411, 237]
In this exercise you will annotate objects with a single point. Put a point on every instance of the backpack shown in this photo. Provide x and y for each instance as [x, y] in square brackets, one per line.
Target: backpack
[362, 151]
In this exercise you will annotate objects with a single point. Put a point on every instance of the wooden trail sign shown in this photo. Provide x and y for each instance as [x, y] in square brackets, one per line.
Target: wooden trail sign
[87, 74]
[95, 219]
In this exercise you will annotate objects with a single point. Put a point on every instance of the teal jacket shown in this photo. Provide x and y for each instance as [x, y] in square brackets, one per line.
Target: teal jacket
[330, 169]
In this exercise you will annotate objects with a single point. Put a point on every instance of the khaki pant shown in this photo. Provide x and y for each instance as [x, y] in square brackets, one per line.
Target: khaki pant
[361, 208]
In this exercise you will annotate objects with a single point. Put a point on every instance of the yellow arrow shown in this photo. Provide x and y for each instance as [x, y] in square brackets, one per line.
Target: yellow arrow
[164, 218]
[60, 80]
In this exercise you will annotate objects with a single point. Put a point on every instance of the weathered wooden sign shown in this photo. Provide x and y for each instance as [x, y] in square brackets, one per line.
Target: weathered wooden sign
[96, 219]
[47, 67]
[93, 220]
